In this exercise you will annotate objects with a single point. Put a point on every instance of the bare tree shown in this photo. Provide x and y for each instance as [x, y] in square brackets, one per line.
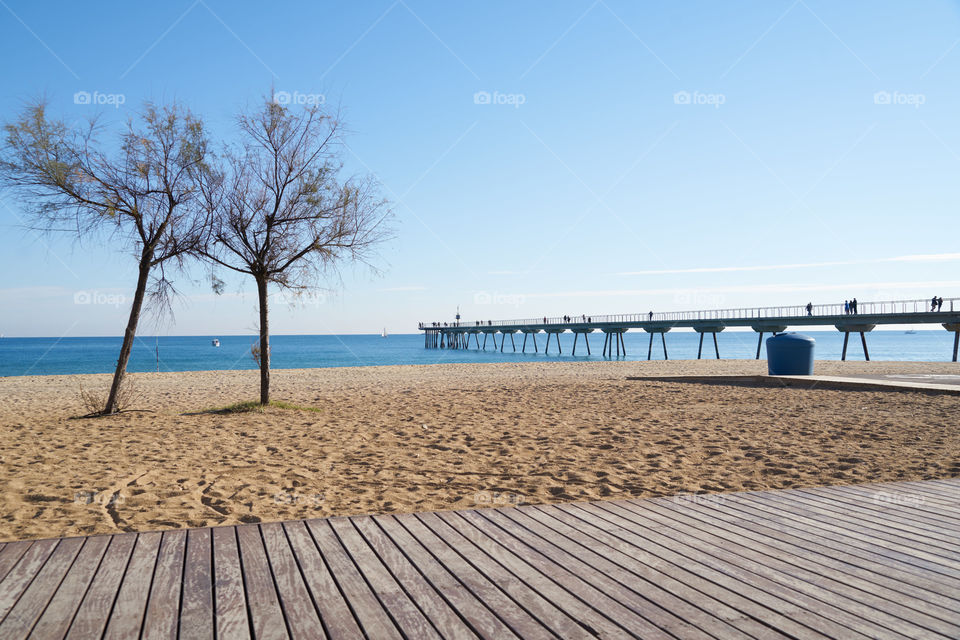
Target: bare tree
[282, 214]
[144, 193]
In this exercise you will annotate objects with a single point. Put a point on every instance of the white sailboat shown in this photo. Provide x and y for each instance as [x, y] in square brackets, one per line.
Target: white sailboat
[383, 334]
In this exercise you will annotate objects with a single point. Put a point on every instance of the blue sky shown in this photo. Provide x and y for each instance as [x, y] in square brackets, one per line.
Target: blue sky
[543, 158]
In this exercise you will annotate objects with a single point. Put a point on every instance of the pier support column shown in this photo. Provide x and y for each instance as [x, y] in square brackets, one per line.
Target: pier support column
[614, 339]
[714, 329]
[556, 334]
[576, 334]
[761, 329]
[662, 331]
[863, 330]
[956, 337]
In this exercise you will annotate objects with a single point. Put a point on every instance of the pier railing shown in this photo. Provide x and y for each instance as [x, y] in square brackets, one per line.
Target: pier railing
[742, 313]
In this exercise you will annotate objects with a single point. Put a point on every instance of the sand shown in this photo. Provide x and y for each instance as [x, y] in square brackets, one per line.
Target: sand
[413, 438]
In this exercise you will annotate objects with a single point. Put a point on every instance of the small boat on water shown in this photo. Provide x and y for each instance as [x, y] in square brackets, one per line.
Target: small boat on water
[215, 342]
[383, 334]
[910, 332]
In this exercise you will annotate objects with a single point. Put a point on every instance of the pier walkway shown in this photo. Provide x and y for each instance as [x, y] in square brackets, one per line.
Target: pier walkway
[863, 561]
[458, 335]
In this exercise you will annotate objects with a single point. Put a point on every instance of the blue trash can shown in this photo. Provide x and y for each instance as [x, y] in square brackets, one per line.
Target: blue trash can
[790, 354]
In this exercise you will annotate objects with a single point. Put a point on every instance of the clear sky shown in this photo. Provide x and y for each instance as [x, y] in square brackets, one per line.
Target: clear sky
[543, 157]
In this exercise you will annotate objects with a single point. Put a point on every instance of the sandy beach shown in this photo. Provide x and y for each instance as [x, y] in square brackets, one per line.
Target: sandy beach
[413, 438]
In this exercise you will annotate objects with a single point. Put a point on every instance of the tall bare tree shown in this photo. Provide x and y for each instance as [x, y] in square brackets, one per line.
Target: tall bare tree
[144, 192]
[282, 214]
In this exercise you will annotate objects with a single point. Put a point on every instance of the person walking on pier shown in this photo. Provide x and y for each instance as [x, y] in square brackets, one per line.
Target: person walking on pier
[933, 303]
[940, 303]
[809, 308]
[853, 306]
[846, 307]
[650, 316]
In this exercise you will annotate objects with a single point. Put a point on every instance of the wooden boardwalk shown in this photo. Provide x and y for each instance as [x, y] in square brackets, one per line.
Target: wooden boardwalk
[867, 561]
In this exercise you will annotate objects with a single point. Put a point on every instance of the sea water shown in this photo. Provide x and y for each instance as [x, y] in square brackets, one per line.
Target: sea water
[42, 356]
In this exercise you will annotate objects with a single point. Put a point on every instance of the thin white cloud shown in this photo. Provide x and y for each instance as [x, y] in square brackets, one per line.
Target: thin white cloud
[930, 257]
[933, 257]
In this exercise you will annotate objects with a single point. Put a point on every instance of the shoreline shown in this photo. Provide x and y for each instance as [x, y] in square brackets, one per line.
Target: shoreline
[891, 366]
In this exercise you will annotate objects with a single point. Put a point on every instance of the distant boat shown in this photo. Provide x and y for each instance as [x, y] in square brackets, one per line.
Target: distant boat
[215, 342]
[383, 334]
[910, 332]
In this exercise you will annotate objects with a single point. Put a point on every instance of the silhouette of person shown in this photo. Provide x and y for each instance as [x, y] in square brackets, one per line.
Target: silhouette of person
[933, 303]
[853, 306]
[809, 308]
[650, 315]
[940, 303]
[846, 307]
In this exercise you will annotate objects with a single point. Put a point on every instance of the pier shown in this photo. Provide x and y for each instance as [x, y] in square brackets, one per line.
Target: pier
[866, 317]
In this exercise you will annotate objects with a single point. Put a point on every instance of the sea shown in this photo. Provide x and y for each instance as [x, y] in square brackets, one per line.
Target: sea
[58, 356]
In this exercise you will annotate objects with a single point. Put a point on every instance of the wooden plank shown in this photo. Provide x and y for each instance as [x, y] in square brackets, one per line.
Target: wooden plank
[691, 581]
[375, 622]
[126, 619]
[22, 617]
[922, 489]
[876, 568]
[480, 618]
[887, 603]
[432, 604]
[91, 618]
[582, 584]
[467, 564]
[196, 609]
[846, 540]
[334, 611]
[757, 587]
[11, 554]
[635, 590]
[298, 609]
[834, 602]
[929, 506]
[23, 572]
[401, 608]
[887, 522]
[162, 620]
[892, 507]
[58, 615]
[266, 616]
[532, 576]
[230, 600]
[864, 531]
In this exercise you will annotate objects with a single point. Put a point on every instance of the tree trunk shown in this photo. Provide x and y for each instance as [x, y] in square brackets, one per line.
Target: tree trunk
[130, 333]
[264, 342]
